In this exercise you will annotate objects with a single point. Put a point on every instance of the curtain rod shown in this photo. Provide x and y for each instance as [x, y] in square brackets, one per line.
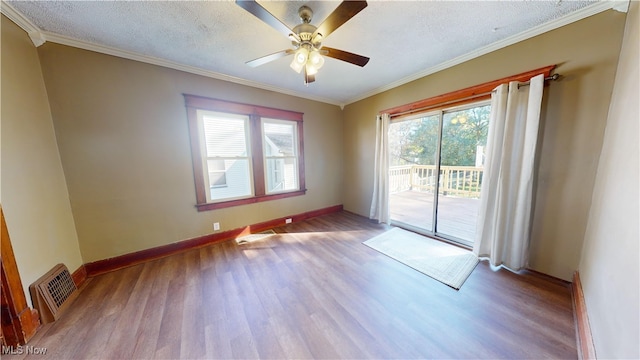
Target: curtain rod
[553, 77]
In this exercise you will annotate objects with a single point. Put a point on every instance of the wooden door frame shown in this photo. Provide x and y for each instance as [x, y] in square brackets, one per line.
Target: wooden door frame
[19, 322]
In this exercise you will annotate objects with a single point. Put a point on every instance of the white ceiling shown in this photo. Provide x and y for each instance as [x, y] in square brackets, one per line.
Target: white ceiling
[404, 39]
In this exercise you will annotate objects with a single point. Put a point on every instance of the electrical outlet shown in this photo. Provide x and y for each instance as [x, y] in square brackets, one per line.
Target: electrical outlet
[216, 226]
[287, 221]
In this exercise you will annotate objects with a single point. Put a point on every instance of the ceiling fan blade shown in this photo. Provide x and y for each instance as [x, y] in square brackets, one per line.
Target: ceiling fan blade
[345, 11]
[261, 13]
[345, 56]
[269, 58]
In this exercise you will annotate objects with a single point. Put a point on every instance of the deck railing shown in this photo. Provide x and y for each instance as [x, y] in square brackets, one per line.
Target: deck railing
[462, 181]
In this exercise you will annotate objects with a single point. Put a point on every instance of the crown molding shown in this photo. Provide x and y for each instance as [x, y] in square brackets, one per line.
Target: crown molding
[622, 6]
[25, 24]
[85, 45]
[583, 13]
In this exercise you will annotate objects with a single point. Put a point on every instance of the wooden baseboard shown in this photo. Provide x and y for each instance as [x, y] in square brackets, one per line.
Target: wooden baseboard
[138, 257]
[586, 349]
[548, 277]
[79, 276]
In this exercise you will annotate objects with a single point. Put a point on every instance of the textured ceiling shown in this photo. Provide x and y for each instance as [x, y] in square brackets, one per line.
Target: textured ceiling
[404, 39]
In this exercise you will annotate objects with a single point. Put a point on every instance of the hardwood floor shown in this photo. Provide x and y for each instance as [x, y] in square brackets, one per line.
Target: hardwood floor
[311, 291]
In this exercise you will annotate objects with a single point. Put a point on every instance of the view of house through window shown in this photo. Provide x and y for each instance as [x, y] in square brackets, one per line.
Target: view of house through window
[280, 155]
[225, 141]
[244, 153]
[436, 167]
[217, 173]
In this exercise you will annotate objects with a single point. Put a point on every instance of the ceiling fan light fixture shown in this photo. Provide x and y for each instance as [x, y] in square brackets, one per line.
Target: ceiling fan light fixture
[315, 59]
[299, 59]
[311, 69]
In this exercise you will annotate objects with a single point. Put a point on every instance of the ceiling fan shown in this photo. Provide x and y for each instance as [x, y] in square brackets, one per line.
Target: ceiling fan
[306, 38]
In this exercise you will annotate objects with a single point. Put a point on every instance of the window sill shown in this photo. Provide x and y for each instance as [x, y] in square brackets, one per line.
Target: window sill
[252, 200]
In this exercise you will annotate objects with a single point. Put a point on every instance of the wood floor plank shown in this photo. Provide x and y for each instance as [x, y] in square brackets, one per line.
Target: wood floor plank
[121, 344]
[192, 321]
[299, 316]
[152, 309]
[313, 290]
[169, 336]
[104, 326]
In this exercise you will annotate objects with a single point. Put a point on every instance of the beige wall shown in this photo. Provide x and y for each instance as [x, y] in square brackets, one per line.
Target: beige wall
[609, 267]
[34, 194]
[574, 117]
[122, 132]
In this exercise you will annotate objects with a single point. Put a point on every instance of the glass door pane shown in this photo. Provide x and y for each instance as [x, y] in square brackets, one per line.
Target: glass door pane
[464, 138]
[436, 169]
[413, 146]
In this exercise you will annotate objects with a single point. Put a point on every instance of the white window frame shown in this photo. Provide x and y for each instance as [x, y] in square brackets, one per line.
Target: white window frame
[203, 150]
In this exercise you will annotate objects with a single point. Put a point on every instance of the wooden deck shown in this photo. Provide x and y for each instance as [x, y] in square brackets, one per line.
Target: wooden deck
[456, 215]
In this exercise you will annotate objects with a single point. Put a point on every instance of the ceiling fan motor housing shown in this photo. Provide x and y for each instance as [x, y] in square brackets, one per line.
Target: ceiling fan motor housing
[305, 30]
[305, 14]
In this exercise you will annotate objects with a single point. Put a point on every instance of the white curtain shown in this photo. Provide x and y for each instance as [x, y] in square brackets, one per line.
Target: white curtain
[504, 218]
[380, 201]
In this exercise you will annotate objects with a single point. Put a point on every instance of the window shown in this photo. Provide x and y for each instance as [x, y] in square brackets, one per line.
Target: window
[280, 155]
[243, 153]
[225, 155]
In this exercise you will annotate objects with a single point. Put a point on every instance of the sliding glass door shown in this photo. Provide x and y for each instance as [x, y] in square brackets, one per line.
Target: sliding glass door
[435, 174]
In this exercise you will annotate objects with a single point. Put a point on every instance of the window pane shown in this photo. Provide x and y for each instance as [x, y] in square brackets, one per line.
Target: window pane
[225, 137]
[217, 173]
[237, 178]
[413, 149]
[227, 148]
[280, 151]
[464, 138]
[279, 138]
[282, 174]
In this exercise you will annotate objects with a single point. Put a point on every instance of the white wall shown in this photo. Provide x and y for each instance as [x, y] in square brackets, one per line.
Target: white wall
[609, 268]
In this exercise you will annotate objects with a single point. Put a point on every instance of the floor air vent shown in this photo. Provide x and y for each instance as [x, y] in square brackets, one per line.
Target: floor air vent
[52, 293]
